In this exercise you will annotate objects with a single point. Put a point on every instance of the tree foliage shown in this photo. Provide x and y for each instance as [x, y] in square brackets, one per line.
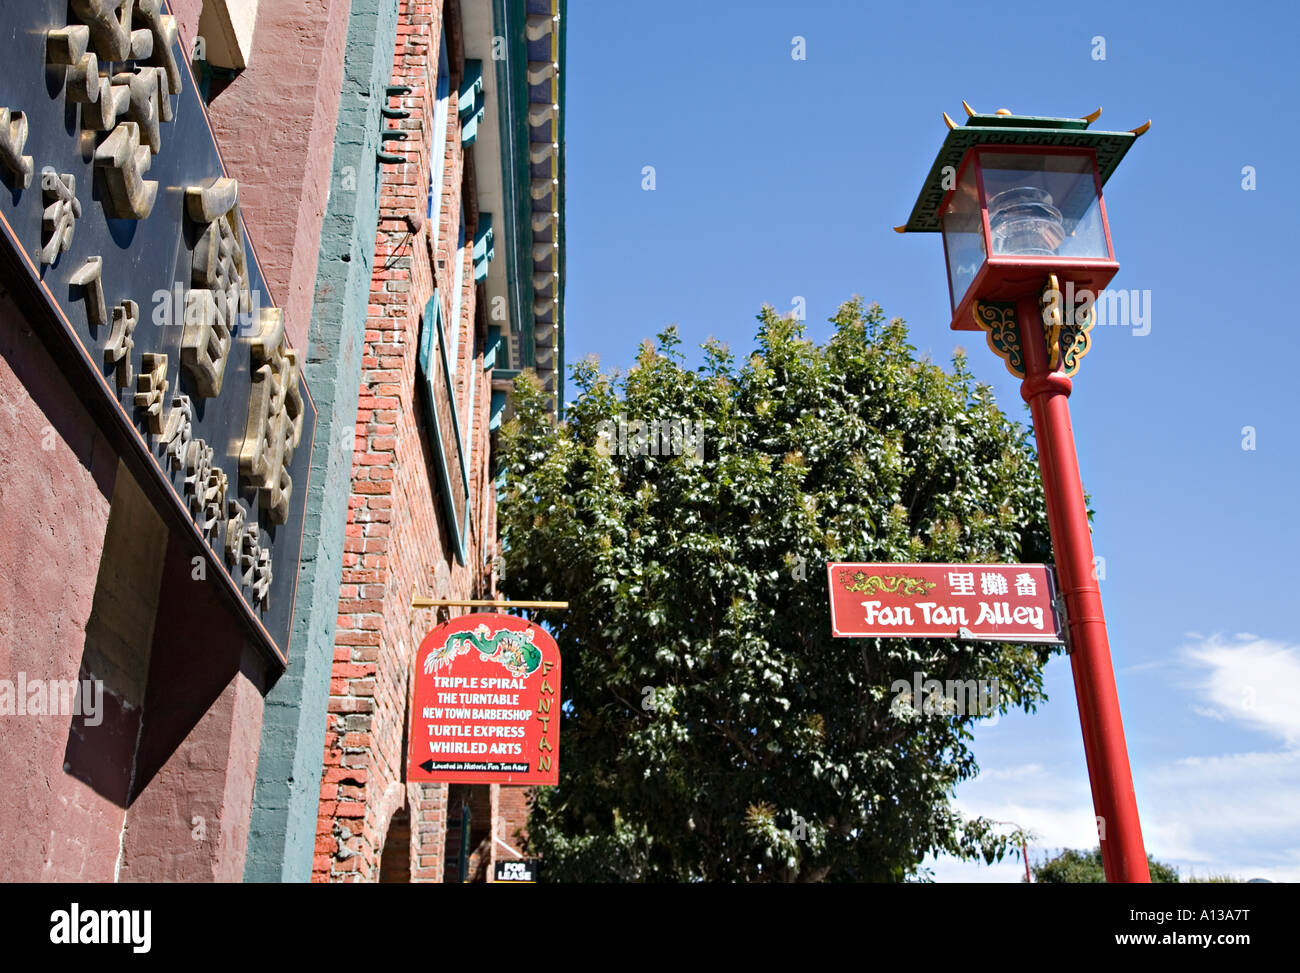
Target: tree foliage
[713, 728]
[1085, 866]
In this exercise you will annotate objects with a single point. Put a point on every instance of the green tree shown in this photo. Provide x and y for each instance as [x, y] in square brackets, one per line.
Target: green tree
[1073, 866]
[713, 728]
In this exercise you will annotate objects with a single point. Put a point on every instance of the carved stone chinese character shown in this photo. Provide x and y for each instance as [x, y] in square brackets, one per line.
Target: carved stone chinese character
[234, 531]
[262, 579]
[100, 114]
[108, 35]
[13, 136]
[110, 29]
[124, 162]
[178, 430]
[255, 566]
[148, 102]
[163, 29]
[151, 390]
[62, 211]
[220, 278]
[67, 46]
[118, 350]
[88, 275]
[275, 416]
[139, 92]
[198, 464]
[248, 552]
[213, 496]
[205, 487]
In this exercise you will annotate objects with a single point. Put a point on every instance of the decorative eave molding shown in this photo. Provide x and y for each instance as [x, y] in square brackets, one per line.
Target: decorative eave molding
[528, 97]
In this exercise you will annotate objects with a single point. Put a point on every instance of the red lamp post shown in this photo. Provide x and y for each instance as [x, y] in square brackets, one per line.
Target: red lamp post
[1019, 203]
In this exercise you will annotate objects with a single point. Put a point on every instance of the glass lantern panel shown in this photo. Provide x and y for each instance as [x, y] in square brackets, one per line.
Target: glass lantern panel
[1043, 205]
[963, 235]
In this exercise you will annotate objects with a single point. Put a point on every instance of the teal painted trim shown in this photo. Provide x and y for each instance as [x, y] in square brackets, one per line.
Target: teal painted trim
[286, 796]
[469, 128]
[509, 18]
[498, 411]
[458, 287]
[431, 324]
[472, 103]
[441, 113]
[494, 344]
[559, 307]
[471, 88]
[1110, 147]
[484, 250]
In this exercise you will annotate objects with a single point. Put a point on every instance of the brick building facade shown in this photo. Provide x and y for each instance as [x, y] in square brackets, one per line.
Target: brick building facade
[422, 510]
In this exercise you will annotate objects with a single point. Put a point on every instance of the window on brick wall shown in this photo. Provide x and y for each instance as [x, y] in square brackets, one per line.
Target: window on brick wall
[437, 390]
[441, 108]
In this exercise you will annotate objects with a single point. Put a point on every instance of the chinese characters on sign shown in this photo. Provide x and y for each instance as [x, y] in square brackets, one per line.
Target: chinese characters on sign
[1004, 602]
[487, 703]
[116, 207]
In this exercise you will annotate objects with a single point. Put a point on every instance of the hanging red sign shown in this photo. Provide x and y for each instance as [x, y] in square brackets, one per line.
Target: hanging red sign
[1004, 602]
[487, 703]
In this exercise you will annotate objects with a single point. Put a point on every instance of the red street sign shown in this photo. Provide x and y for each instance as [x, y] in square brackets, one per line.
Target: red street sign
[1003, 602]
[487, 707]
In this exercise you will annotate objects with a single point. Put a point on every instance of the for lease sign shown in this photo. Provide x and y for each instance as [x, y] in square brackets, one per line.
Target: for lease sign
[1004, 602]
[487, 703]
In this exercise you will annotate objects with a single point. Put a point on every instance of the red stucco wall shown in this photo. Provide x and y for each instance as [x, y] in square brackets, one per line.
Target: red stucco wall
[56, 478]
[275, 126]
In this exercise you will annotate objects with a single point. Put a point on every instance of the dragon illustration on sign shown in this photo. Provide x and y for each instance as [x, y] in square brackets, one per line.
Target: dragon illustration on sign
[514, 650]
[896, 584]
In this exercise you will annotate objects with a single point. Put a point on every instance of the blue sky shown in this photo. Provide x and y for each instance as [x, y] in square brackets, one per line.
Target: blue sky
[777, 178]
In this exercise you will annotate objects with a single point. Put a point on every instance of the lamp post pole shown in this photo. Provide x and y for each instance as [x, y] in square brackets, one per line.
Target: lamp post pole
[1021, 196]
[1046, 388]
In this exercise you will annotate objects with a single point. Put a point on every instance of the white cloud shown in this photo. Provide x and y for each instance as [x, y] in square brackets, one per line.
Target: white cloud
[1145, 666]
[1252, 680]
[1222, 813]
[1231, 812]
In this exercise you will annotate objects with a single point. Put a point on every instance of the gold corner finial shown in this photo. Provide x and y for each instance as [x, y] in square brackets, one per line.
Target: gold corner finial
[948, 121]
[901, 229]
[969, 109]
[1093, 117]
[1141, 128]
[1003, 111]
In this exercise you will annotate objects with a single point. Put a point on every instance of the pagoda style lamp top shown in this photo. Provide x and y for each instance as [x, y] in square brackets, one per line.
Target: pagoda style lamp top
[1018, 198]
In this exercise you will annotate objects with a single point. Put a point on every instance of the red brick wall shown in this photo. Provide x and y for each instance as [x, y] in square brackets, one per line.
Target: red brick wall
[397, 542]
